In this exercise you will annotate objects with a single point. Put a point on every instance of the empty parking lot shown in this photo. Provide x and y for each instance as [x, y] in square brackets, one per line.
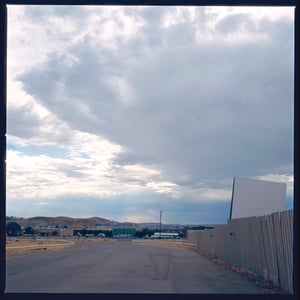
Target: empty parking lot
[121, 267]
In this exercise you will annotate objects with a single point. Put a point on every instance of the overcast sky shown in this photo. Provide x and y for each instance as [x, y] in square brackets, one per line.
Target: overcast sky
[120, 112]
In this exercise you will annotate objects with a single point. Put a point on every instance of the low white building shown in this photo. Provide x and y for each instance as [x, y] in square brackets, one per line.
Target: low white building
[165, 235]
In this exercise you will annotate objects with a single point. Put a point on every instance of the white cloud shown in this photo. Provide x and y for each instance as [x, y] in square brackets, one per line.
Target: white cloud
[256, 13]
[87, 165]
[168, 102]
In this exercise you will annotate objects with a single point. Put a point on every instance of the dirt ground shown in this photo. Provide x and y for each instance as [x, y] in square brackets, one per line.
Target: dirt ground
[31, 246]
[166, 243]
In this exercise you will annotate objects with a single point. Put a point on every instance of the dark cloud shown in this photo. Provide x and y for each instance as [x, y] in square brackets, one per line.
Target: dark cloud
[204, 111]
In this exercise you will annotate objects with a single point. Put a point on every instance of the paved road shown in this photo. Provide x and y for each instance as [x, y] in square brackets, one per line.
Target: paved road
[121, 267]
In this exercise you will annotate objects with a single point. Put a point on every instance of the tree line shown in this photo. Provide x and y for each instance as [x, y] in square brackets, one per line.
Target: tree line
[84, 232]
[14, 229]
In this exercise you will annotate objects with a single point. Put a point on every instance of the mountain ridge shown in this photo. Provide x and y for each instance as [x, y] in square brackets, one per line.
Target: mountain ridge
[82, 223]
[62, 221]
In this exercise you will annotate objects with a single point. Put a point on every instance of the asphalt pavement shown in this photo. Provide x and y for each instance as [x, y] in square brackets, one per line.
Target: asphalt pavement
[122, 267]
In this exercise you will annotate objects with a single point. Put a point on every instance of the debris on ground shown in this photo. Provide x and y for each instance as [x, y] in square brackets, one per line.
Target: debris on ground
[267, 285]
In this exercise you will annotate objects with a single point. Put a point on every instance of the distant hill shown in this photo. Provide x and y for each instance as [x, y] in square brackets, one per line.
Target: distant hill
[85, 223]
[63, 221]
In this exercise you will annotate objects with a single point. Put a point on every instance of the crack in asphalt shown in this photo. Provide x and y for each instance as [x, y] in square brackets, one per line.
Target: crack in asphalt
[161, 263]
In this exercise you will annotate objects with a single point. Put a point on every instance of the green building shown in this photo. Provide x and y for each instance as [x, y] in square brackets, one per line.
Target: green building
[123, 233]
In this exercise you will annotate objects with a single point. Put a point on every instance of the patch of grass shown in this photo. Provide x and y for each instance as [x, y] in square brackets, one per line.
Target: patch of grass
[31, 246]
[164, 243]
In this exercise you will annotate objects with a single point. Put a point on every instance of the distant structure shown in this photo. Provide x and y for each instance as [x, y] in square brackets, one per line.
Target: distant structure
[165, 235]
[251, 197]
[123, 233]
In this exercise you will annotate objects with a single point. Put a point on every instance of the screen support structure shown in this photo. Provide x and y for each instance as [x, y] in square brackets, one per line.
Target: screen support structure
[230, 214]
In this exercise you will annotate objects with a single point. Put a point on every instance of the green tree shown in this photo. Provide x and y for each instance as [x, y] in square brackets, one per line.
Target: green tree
[144, 232]
[13, 229]
[29, 230]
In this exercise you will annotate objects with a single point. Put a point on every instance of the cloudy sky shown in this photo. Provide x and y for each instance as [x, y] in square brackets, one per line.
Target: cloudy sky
[120, 112]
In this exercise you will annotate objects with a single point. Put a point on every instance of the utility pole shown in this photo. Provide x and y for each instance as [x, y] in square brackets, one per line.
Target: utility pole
[160, 225]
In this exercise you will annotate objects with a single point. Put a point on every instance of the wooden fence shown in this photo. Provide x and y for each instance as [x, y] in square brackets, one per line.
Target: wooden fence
[263, 245]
